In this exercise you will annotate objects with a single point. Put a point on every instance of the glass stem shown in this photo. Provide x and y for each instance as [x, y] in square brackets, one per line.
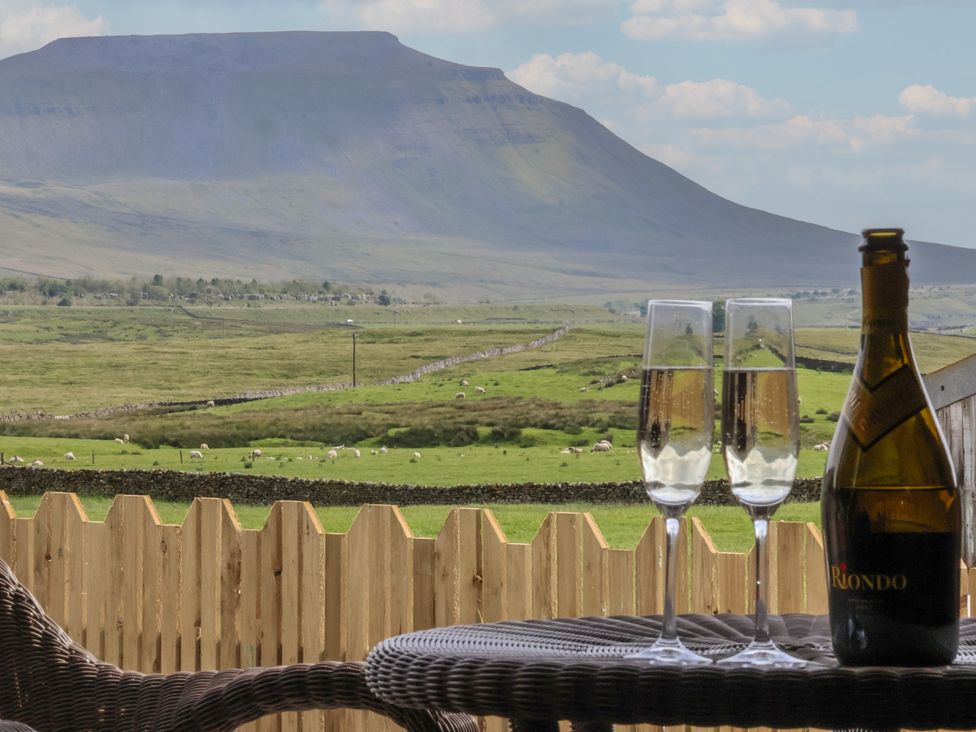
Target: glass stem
[671, 527]
[761, 526]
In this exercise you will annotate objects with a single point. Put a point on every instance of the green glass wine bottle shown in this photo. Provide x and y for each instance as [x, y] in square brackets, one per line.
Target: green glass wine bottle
[889, 498]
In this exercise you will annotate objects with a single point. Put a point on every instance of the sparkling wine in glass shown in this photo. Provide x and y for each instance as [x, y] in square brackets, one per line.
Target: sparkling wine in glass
[674, 437]
[760, 438]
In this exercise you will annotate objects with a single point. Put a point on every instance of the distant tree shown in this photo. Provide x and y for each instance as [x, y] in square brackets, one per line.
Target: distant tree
[384, 298]
[718, 316]
[65, 301]
[157, 280]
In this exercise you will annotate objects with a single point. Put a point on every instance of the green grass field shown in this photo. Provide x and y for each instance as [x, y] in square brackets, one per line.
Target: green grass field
[535, 403]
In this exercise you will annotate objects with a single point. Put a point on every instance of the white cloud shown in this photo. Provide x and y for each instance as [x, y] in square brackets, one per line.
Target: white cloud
[463, 16]
[802, 131]
[925, 99]
[25, 27]
[720, 98]
[732, 20]
[583, 78]
[592, 82]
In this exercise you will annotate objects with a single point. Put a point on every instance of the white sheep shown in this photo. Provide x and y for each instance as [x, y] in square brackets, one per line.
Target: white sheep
[204, 446]
[333, 455]
[196, 455]
[255, 453]
[383, 450]
[374, 451]
[120, 440]
[69, 456]
[16, 459]
[623, 377]
[125, 438]
[37, 464]
[576, 450]
[479, 390]
[459, 395]
[211, 403]
[822, 447]
[602, 446]
[355, 452]
[584, 388]
[465, 382]
[415, 457]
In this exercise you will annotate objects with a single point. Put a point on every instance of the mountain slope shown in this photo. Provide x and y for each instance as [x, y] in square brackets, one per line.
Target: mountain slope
[353, 157]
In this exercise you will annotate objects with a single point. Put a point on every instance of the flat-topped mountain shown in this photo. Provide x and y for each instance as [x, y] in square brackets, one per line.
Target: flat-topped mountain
[349, 156]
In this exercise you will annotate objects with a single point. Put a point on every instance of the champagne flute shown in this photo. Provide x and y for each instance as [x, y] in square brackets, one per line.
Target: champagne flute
[760, 438]
[674, 437]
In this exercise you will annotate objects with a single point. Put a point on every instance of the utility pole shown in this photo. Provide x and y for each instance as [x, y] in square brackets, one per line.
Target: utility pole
[354, 360]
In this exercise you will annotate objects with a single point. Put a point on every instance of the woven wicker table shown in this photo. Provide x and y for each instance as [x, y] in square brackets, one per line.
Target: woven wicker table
[537, 672]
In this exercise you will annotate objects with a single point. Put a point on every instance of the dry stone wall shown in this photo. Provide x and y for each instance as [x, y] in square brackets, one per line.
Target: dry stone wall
[257, 489]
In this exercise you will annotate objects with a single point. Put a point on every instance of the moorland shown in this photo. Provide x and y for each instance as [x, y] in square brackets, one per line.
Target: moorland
[77, 378]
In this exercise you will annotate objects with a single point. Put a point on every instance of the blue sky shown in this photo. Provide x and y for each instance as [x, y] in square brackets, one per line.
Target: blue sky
[848, 114]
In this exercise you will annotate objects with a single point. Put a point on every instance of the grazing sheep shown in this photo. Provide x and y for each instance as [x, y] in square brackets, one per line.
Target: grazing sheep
[125, 438]
[373, 452]
[623, 377]
[566, 451]
[196, 455]
[333, 455]
[479, 390]
[584, 388]
[602, 446]
[415, 457]
[459, 395]
[211, 403]
[822, 447]
[576, 450]
[15, 459]
[37, 464]
[69, 456]
[465, 382]
[383, 450]
[255, 453]
[120, 440]
[204, 446]
[355, 452]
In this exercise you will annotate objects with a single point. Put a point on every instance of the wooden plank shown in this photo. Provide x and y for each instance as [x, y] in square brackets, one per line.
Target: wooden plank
[291, 608]
[250, 602]
[445, 580]
[621, 588]
[358, 587]
[228, 572]
[543, 559]
[7, 518]
[816, 571]
[494, 570]
[735, 593]
[790, 550]
[423, 583]
[336, 605]
[518, 574]
[649, 568]
[705, 585]
[469, 564]
[76, 554]
[594, 569]
[149, 527]
[112, 584]
[190, 589]
[312, 555]
[567, 561]
[170, 636]
[269, 599]
[683, 578]
[96, 597]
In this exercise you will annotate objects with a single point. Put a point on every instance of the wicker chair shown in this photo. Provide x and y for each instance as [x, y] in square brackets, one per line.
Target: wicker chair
[54, 685]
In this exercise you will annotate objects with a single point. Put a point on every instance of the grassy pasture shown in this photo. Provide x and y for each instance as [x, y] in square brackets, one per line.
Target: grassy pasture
[538, 401]
[622, 525]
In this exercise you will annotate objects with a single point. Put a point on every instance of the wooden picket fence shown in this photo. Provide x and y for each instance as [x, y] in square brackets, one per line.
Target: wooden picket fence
[154, 597]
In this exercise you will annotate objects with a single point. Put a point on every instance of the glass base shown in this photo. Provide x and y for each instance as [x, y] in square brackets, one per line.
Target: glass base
[763, 655]
[670, 652]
